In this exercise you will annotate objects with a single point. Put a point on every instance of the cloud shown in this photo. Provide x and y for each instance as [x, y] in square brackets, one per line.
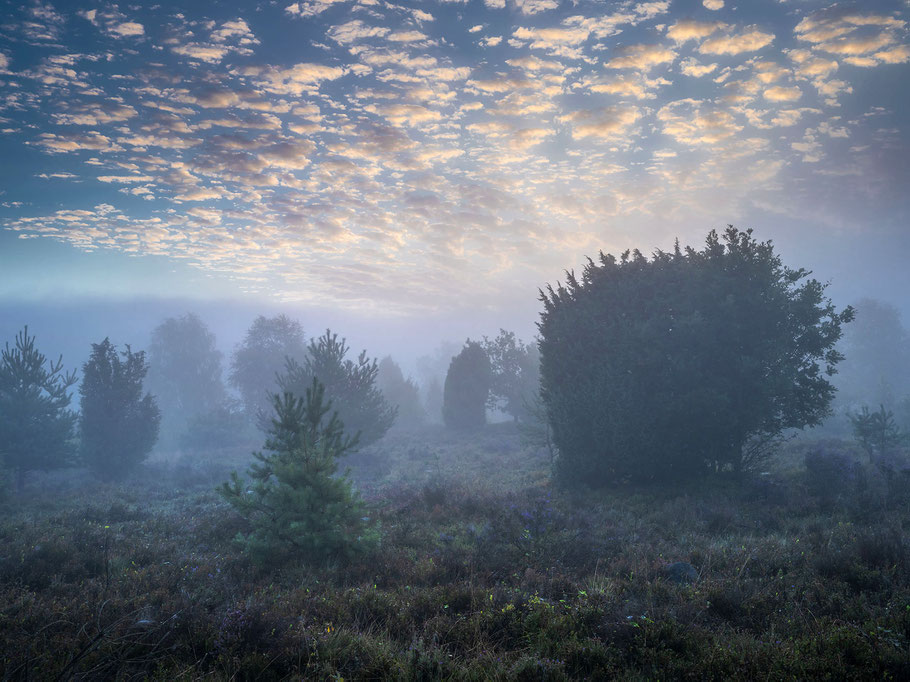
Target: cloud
[779, 93]
[69, 142]
[293, 80]
[750, 40]
[690, 29]
[858, 37]
[713, 4]
[124, 178]
[95, 114]
[636, 86]
[352, 31]
[42, 23]
[608, 123]
[641, 57]
[113, 22]
[407, 36]
[535, 6]
[405, 114]
[694, 123]
[231, 37]
[692, 67]
[311, 8]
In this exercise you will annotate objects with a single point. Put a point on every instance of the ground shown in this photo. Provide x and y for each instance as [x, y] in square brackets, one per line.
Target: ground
[485, 570]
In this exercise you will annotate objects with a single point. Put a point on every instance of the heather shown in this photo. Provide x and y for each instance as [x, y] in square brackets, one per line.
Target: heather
[484, 569]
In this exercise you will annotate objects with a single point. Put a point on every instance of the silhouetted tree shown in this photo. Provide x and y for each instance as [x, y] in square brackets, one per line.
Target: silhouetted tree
[401, 393]
[515, 374]
[351, 386]
[467, 388]
[876, 366]
[295, 504]
[118, 424]
[876, 432]
[184, 372]
[36, 426]
[260, 358]
[688, 362]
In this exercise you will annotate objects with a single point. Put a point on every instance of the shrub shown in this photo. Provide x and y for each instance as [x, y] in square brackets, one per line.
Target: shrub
[685, 363]
[467, 388]
[830, 475]
[295, 504]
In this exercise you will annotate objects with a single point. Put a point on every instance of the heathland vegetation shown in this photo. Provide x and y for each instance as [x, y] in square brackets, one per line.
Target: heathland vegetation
[666, 483]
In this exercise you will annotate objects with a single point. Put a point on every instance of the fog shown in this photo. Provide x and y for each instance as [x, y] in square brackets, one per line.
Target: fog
[500, 340]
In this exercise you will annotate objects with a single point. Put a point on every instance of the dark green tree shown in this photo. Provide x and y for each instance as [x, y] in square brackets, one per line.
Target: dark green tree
[119, 425]
[515, 374]
[295, 504]
[467, 389]
[684, 363]
[36, 424]
[260, 358]
[350, 385]
[184, 373]
[401, 393]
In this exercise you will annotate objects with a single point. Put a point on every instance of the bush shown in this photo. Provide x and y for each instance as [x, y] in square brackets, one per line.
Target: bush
[295, 504]
[830, 475]
[685, 363]
[467, 388]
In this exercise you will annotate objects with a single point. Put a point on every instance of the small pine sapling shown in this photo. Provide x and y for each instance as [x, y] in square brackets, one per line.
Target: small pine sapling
[295, 504]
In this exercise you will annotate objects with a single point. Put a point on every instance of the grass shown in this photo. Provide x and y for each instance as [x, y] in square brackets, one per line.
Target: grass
[485, 571]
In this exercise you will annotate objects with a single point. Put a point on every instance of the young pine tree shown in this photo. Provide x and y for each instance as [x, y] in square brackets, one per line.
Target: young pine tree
[294, 503]
[36, 426]
[119, 425]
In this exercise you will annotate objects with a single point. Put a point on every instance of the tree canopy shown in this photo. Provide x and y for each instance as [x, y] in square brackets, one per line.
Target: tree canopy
[687, 362]
[184, 371]
[260, 358]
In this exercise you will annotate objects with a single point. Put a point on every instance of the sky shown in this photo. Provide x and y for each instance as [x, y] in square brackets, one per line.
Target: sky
[440, 160]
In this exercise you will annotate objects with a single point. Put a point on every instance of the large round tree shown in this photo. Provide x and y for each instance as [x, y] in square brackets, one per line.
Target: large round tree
[684, 363]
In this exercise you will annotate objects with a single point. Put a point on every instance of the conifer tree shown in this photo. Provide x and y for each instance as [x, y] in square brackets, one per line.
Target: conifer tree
[36, 426]
[467, 388]
[119, 425]
[294, 502]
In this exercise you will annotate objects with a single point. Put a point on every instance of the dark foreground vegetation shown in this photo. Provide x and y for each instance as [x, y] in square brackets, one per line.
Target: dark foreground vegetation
[484, 571]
